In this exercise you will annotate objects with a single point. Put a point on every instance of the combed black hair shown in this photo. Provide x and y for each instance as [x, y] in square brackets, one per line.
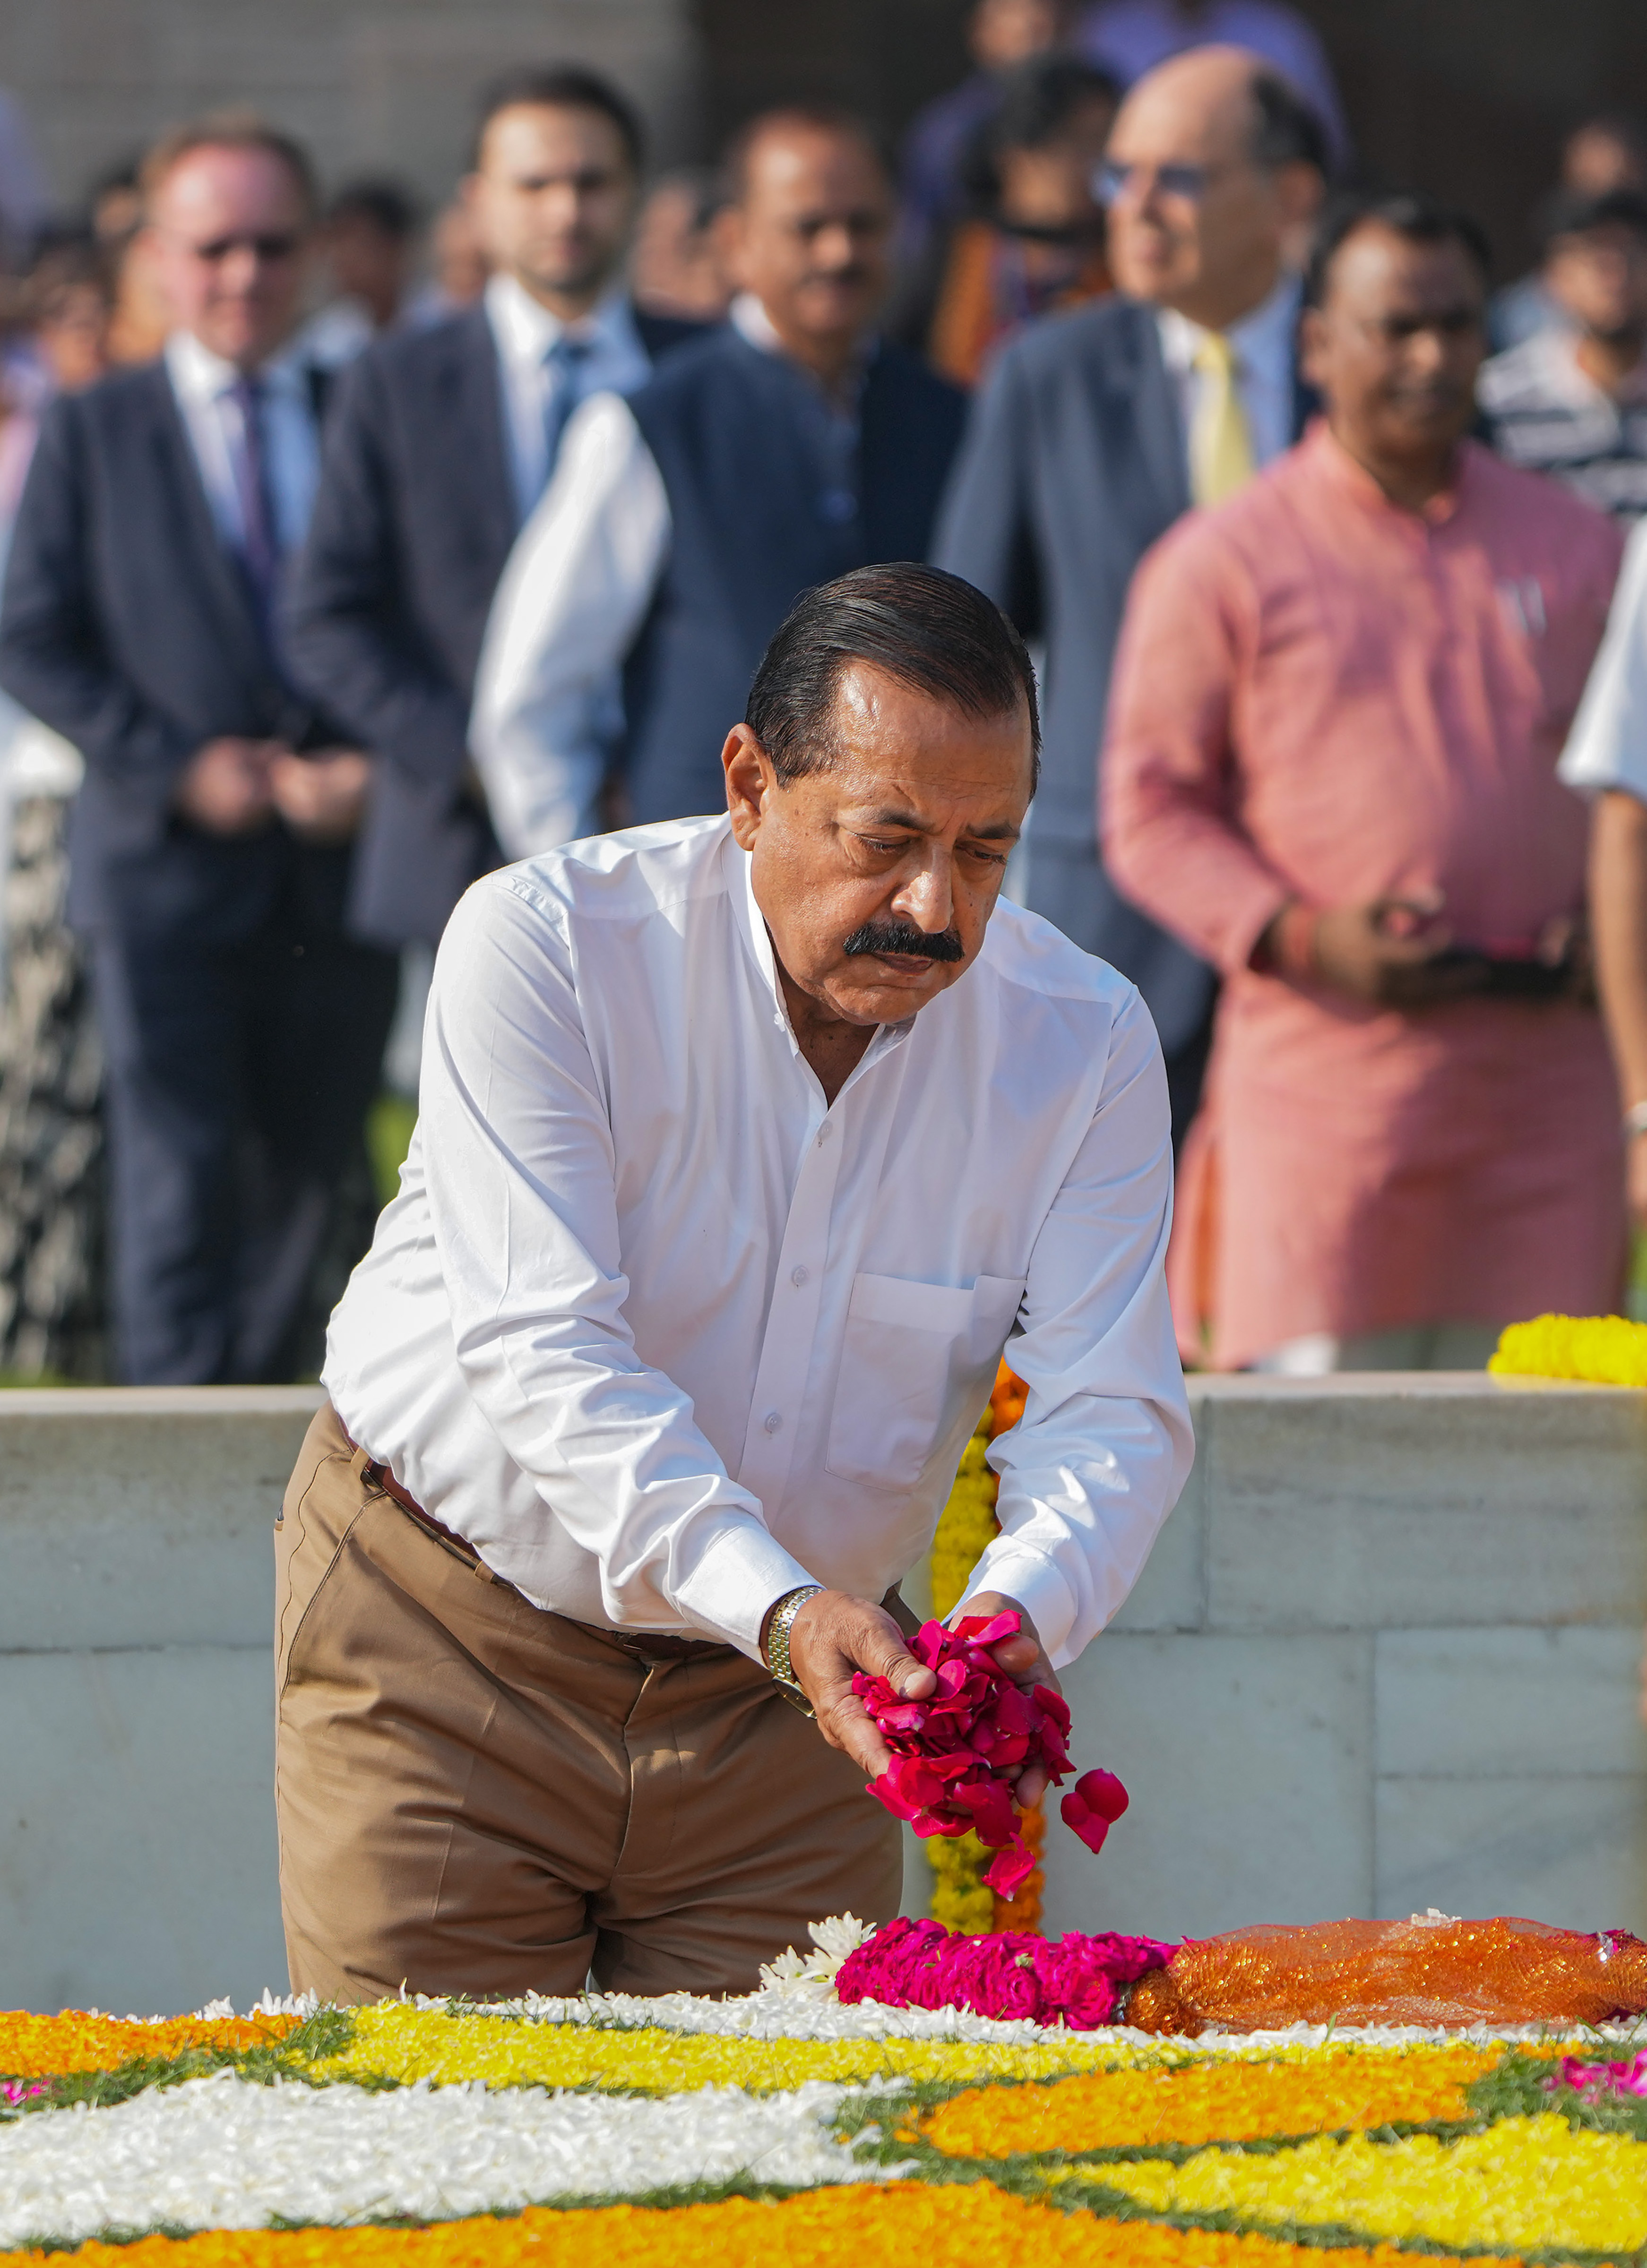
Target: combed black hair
[926, 629]
[1289, 131]
[1037, 102]
[1410, 213]
[562, 86]
[819, 117]
[388, 205]
[1570, 212]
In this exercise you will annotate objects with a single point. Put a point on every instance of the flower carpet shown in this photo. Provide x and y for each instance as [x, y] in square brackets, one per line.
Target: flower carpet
[801, 2125]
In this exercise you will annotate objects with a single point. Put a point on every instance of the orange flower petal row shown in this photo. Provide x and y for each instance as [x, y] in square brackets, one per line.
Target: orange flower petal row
[873, 2227]
[1208, 2102]
[37, 2047]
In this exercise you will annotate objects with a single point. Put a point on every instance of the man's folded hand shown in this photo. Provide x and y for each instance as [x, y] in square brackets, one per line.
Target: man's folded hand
[833, 1635]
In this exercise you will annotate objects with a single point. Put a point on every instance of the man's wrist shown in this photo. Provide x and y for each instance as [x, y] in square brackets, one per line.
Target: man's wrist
[1635, 1120]
[779, 1622]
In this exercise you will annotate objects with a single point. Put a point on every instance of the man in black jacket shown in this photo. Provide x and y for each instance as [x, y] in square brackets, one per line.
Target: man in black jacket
[442, 444]
[212, 848]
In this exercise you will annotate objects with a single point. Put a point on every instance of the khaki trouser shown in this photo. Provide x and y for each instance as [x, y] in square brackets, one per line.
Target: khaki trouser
[478, 1797]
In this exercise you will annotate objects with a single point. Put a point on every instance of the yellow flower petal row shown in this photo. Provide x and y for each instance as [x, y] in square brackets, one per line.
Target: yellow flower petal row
[1602, 1350]
[396, 2041]
[1524, 2182]
[1210, 2101]
[37, 2047]
[873, 2228]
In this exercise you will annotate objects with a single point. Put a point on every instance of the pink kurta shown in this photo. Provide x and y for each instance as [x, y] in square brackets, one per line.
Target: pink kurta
[1318, 695]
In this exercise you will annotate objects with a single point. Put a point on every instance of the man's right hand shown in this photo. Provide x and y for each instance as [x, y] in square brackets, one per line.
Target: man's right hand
[224, 788]
[835, 1634]
[1394, 953]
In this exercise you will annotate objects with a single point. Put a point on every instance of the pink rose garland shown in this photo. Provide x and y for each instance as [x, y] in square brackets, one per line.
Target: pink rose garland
[1073, 1980]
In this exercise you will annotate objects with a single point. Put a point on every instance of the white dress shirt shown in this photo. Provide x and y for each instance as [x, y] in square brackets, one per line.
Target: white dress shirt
[1266, 361]
[524, 332]
[664, 1335]
[202, 385]
[1606, 746]
[548, 694]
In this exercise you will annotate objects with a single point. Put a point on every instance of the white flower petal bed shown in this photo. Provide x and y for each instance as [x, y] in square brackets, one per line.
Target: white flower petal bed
[225, 2153]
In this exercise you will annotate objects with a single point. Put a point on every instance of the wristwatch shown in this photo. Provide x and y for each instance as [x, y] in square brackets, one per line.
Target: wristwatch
[777, 1646]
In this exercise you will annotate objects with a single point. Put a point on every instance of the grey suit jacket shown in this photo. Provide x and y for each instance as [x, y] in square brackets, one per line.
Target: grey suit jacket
[1073, 464]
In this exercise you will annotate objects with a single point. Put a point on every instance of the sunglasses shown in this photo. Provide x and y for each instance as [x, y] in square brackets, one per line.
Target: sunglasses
[268, 249]
[1114, 179]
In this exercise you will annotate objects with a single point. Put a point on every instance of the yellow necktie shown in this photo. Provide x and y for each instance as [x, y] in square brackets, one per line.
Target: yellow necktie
[1220, 440]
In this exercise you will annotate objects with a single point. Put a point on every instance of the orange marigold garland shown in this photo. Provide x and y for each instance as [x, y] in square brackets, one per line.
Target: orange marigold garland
[40, 2047]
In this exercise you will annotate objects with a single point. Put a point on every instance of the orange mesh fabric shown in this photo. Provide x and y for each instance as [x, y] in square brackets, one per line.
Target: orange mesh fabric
[1503, 1972]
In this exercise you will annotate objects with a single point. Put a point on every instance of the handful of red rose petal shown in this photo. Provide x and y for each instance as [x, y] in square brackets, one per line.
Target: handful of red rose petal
[956, 1754]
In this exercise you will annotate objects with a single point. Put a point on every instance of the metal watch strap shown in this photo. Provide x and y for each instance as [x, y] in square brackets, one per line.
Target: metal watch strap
[776, 1646]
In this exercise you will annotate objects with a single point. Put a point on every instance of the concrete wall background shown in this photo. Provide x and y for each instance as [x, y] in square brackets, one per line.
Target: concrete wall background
[370, 85]
[1384, 1656]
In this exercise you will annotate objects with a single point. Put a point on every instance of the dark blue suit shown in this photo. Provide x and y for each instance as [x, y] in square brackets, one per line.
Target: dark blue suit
[758, 515]
[1074, 464]
[387, 605]
[243, 1027]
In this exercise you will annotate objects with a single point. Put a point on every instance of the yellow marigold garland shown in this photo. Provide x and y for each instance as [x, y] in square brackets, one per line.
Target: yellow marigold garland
[872, 2227]
[1601, 1349]
[966, 1528]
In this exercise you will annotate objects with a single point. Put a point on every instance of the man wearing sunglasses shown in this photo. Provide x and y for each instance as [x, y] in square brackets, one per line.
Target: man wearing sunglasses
[1099, 428]
[212, 850]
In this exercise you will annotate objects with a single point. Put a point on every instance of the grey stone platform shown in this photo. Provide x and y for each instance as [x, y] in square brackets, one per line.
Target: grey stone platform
[1384, 1656]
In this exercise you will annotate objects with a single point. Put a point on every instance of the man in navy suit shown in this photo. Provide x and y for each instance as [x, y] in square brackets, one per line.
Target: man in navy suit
[785, 448]
[212, 848]
[1099, 428]
[441, 445]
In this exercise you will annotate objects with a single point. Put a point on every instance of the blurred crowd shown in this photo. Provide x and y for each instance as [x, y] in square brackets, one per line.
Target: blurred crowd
[355, 550]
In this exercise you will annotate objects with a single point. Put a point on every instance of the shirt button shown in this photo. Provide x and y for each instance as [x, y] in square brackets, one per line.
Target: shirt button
[774, 1421]
[823, 1131]
[798, 1276]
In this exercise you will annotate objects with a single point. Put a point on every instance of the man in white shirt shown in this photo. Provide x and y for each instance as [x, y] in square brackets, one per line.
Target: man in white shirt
[1097, 430]
[745, 1145]
[213, 846]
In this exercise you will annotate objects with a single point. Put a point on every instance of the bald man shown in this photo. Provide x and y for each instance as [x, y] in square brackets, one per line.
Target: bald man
[1101, 427]
[789, 446]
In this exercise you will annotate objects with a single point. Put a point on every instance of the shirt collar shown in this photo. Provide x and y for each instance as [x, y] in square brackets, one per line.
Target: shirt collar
[198, 375]
[753, 325]
[525, 330]
[1340, 466]
[1556, 357]
[1262, 339]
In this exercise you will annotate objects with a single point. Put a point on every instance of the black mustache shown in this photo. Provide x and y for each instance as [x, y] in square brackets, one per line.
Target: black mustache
[904, 937]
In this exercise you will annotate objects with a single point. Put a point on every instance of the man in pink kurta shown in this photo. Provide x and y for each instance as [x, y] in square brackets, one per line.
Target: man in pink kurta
[1331, 767]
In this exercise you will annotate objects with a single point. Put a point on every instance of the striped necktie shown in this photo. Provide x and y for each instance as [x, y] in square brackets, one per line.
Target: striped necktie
[1221, 439]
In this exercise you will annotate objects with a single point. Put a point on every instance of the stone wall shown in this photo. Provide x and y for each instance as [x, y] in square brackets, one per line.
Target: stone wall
[1383, 1657]
[370, 85]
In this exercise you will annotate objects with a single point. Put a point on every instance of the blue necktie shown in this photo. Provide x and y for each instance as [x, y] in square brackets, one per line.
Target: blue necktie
[563, 362]
[260, 543]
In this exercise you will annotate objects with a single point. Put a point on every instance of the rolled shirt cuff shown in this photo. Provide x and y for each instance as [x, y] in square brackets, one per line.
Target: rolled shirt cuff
[1035, 1582]
[741, 1573]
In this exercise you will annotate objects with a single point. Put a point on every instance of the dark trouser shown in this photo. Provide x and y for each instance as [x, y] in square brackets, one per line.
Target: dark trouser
[239, 1077]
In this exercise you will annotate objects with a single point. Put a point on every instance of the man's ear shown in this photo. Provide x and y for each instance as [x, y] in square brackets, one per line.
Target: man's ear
[749, 782]
[1312, 345]
[727, 233]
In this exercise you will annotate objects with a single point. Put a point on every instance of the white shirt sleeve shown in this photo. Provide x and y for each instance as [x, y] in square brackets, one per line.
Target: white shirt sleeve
[520, 1169]
[1607, 745]
[572, 599]
[1095, 1464]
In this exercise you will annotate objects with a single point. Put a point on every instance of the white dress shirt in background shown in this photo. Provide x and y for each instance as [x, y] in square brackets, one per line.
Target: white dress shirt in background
[1608, 745]
[202, 385]
[1265, 364]
[664, 1335]
[524, 333]
[549, 691]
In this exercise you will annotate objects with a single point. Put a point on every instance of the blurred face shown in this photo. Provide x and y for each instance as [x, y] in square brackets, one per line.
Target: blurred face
[1006, 32]
[1194, 222]
[1600, 278]
[553, 199]
[460, 265]
[1051, 188]
[1396, 347]
[368, 263]
[1596, 160]
[228, 239]
[72, 334]
[877, 874]
[811, 237]
[676, 268]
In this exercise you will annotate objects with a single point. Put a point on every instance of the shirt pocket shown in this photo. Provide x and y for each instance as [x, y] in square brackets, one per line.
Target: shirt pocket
[915, 1358]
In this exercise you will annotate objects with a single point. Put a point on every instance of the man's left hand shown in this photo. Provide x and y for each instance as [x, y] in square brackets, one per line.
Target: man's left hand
[1025, 1662]
[323, 796]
